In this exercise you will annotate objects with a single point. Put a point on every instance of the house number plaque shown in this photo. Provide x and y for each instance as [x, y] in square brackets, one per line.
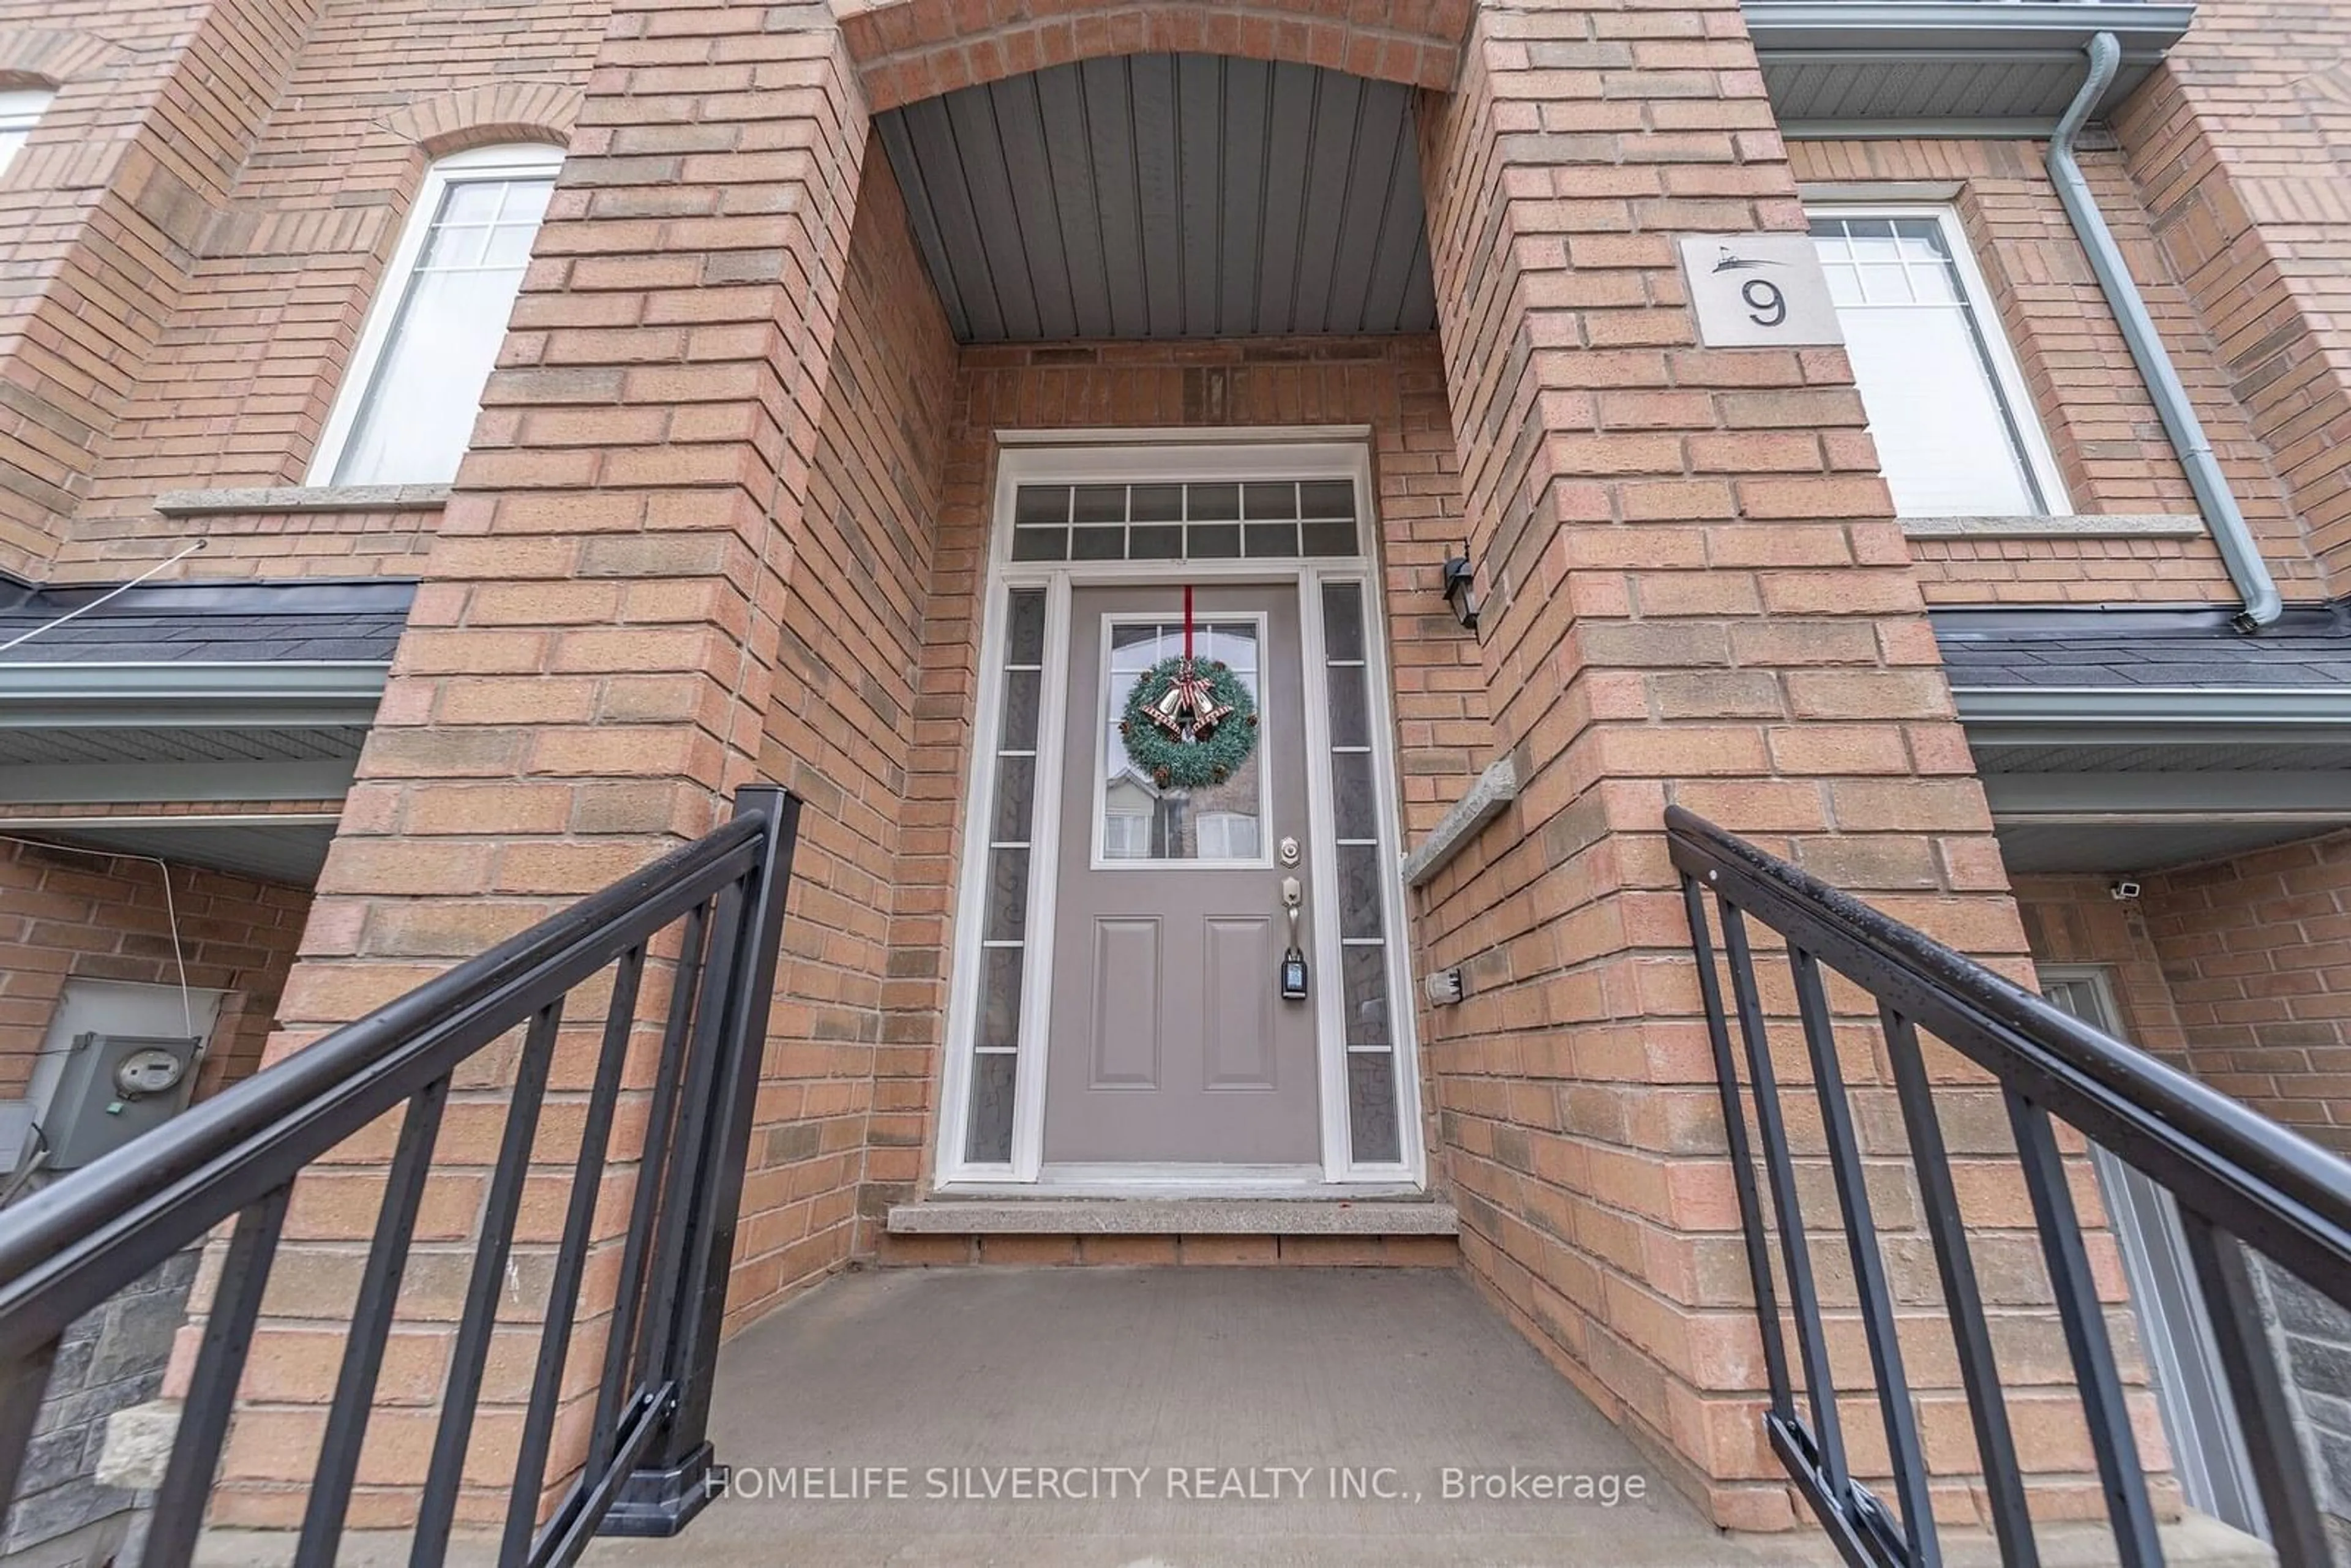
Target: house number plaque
[1758, 291]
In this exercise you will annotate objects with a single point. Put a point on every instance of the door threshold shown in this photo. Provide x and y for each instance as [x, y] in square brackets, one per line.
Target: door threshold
[1032, 1213]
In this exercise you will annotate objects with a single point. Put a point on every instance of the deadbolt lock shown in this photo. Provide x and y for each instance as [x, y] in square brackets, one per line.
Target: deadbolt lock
[1287, 852]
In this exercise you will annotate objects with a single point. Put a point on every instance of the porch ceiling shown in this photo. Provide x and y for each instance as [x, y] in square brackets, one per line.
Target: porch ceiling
[1167, 195]
[286, 849]
[1993, 67]
[2133, 849]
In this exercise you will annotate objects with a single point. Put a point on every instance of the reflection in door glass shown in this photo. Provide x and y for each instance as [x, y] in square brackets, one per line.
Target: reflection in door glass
[1141, 821]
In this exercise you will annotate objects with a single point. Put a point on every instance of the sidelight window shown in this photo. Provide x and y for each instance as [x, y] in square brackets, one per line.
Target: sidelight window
[1364, 934]
[1004, 920]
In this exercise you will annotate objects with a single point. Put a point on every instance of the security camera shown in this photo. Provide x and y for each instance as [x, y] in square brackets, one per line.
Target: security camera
[2125, 890]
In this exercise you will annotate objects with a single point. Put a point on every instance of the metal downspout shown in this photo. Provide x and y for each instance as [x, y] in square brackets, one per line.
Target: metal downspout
[2218, 503]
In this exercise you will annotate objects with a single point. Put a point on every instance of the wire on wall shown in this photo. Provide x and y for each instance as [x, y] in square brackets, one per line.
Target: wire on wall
[171, 911]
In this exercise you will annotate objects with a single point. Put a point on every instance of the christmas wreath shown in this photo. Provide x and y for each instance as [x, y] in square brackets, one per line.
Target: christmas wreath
[1189, 723]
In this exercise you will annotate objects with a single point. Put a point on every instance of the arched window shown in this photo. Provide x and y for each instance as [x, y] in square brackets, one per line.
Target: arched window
[19, 110]
[407, 405]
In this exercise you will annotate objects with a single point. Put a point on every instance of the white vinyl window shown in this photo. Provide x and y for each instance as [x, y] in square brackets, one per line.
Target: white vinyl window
[407, 406]
[20, 111]
[1946, 403]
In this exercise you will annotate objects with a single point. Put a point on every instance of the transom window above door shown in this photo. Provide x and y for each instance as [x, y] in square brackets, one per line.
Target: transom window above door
[1278, 519]
[1946, 402]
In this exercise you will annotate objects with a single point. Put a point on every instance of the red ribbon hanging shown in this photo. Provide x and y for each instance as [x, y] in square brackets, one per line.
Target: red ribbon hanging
[1187, 622]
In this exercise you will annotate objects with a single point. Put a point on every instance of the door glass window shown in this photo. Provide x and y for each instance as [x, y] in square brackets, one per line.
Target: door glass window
[1143, 821]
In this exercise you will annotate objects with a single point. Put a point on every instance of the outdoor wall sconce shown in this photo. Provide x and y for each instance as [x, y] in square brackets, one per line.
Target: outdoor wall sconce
[1462, 588]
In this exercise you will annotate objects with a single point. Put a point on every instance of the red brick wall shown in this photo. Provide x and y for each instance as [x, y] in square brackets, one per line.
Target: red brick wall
[2237, 972]
[2238, 145]
[2110, 444]
[248, 366]
[2078, 920]
[100, 216]
[1700, 595]
[2257, 953]
[234, 337]
[69, 913]
[907, 50]
[1394, 385]
[842, 731]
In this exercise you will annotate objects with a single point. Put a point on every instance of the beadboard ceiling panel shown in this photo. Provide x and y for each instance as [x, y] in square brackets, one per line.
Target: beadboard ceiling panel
[1168, 196]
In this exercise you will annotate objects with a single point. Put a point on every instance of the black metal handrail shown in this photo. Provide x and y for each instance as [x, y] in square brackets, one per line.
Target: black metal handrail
[67, 1248]
[2239, 1179]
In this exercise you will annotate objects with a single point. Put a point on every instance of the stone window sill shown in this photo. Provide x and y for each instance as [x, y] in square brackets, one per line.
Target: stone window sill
[304, 498]
[2159, 526]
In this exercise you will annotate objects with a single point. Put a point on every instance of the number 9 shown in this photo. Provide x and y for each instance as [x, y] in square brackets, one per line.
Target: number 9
[1766, 304]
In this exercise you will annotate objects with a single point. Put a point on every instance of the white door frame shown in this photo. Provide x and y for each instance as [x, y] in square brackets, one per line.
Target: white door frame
[1149, 456]
[2208, 1449]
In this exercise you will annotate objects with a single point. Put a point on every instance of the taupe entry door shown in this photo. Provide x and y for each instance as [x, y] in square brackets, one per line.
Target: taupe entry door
[1168, 1041]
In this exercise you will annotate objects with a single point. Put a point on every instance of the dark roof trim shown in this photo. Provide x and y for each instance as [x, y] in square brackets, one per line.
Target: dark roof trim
[2060, 622]
[308, 596]
[2141, 705]
[201, 622]
[179, 696]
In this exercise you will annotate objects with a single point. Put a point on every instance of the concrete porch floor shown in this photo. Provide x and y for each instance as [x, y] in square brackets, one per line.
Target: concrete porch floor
[1149, 1370]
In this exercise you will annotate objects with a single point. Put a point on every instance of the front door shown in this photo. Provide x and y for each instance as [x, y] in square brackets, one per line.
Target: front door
[1168, 1040]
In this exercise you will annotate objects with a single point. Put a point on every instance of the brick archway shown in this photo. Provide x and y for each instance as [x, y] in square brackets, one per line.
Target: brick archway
[910, 49]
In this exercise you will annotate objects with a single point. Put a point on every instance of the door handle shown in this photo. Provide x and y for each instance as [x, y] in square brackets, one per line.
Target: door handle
[1293, 961]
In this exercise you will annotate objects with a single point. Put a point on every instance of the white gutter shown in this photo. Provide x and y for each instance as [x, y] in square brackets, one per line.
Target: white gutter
[2235, 540]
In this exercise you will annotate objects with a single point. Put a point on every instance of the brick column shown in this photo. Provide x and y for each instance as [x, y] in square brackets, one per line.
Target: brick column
[1696, 592]
[589, 666]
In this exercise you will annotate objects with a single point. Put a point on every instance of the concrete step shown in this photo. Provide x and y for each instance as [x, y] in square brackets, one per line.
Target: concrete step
[1173, 1216]
[1385, 1232]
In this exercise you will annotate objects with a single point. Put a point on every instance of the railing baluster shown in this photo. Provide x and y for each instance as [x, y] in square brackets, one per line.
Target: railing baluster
[730, 1031]
[1795, 1255]
[2265, 1413]
[211, 1391]
[2087, 1339]
[22, 1380]
[620, 1353]
[1868, 1264]
[739, 1046]
[1742, 1162]
[65, 1249]
[437, 1507]
[681, 1188]
[372, 1315]
[2012, 1519]
[571, 1261]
